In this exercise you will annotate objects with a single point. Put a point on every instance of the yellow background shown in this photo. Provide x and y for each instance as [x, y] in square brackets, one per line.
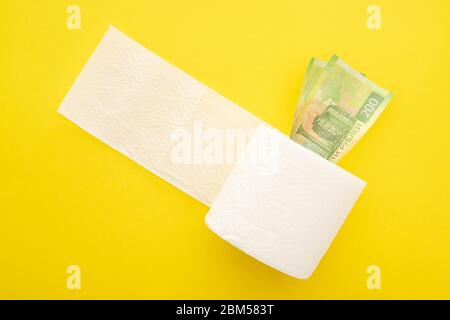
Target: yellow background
[67, 198]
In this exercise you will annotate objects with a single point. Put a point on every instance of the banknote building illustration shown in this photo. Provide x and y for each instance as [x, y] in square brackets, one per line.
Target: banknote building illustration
[329, 130]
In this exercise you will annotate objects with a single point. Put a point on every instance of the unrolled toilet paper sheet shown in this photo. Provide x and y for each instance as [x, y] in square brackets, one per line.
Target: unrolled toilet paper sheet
[285, 208]
[136, 102]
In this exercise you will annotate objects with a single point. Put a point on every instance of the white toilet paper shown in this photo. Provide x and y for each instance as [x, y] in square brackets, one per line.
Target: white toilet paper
[285, 207]
[280, 203]
[137, 103]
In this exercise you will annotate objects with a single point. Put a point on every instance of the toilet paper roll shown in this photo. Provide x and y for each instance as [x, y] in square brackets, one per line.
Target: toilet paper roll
[283, 204]
[141, 105]
[280, 203]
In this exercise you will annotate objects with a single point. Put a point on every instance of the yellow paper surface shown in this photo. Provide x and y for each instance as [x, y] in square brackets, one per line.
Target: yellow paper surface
[68, 199]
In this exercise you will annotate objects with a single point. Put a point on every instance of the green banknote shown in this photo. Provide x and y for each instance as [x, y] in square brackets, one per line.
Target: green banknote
[336, 107]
